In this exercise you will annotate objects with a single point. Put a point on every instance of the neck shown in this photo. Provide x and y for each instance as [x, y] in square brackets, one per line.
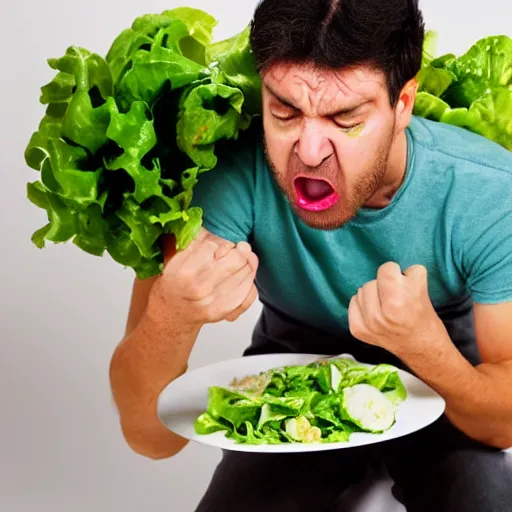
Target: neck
[394, 176]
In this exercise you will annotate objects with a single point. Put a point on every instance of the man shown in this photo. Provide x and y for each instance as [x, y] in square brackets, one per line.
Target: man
[364, 230]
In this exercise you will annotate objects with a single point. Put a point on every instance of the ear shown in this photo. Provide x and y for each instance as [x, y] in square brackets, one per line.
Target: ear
[405, 105]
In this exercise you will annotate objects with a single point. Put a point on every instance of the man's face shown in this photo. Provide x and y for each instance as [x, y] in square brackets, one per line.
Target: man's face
[328, 136]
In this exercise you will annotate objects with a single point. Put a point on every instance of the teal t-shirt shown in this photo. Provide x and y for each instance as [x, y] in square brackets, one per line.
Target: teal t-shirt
[452, 214]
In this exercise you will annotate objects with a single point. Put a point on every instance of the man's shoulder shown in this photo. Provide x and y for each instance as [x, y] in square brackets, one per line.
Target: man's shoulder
[226, 193]
[246, 153]
[468, 177]
[238, 163]
[461, 150]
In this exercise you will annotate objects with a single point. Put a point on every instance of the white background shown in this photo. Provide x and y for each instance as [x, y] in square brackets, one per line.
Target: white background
[63, 312]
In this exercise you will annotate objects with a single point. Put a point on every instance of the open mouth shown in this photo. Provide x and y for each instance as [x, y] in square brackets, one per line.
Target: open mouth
[315, 194]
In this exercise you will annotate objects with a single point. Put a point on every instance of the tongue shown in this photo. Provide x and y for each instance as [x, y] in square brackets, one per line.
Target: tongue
[317, 189]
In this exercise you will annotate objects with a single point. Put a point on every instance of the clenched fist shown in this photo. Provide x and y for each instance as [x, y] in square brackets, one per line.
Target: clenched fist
[394, 311]
[210, 281]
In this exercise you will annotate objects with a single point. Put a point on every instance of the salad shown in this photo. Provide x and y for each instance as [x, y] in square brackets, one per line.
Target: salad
[321, 402]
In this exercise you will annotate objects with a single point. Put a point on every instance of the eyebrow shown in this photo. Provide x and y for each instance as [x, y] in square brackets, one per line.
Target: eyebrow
[340, 112]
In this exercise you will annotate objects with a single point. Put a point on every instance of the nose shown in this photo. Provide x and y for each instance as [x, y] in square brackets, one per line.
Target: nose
[313, 147]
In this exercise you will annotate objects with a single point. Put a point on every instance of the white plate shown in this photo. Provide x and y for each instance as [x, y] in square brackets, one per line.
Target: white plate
[182, 401]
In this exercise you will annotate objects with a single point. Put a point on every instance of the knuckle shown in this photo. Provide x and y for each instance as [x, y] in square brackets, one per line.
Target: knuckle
[185, 276]
[244, 247]
[392, 309]
[389, 270]
[190, 286]
[210, 245]
[224, 249]
[235, 260]
[419, 272]
[238, 255]
[196, 292]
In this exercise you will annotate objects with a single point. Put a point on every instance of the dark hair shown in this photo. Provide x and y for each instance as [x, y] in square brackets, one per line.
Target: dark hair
[333, 34]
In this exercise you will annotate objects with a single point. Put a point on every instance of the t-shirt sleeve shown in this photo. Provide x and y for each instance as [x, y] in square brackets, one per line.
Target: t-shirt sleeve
[226, 193]
[487, 248]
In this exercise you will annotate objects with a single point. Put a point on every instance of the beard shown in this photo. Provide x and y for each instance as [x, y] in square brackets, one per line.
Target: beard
[351, 201]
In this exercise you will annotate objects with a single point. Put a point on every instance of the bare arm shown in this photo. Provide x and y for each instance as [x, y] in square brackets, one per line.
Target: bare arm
[395, 312]
[479, 400]
[142, 365]
[162, 327]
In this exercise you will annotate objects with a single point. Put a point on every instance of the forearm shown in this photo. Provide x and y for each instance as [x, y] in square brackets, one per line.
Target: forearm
[153, 354]
[478, 399]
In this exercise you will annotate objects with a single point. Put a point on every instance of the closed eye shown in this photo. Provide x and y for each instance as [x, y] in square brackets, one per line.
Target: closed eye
[285, 117]
[348, 128]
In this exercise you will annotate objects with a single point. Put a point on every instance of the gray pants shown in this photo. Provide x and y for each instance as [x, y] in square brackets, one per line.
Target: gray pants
[438, 469]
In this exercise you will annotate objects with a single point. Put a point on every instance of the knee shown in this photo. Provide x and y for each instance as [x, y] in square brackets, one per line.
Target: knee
[478, 481]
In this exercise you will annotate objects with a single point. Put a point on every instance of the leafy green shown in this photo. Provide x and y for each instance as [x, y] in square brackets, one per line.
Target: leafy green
[304, 403]
[205, 424]
[429, 47]
[158, 48]
[125, 138]
[434, 81]
[429, 106]
[231, 62]
[472, 91]
[489, 116]
[486, 65]
[208, 113]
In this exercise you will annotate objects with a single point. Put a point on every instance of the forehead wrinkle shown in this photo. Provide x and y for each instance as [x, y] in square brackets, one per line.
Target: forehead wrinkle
[324, 92]
[327, 97]
[307, 87]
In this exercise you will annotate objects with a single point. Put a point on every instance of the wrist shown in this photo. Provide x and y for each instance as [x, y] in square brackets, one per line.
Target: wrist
[439, 364]
[169, 315]
[153, 354]
[429, 344]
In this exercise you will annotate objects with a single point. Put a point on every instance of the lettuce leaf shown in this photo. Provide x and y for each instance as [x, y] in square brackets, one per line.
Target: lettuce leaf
[159, 48]
[208, 113]
[489, 116]
[162, 62]
[429, 47]
[232, 63]
[472, 91]
[429, 106]
[205, 425]
[435, 81]
[486, 65]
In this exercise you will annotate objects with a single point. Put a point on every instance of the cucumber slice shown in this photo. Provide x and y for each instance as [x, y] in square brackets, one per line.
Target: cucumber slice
[299, 429]
[368, 408]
